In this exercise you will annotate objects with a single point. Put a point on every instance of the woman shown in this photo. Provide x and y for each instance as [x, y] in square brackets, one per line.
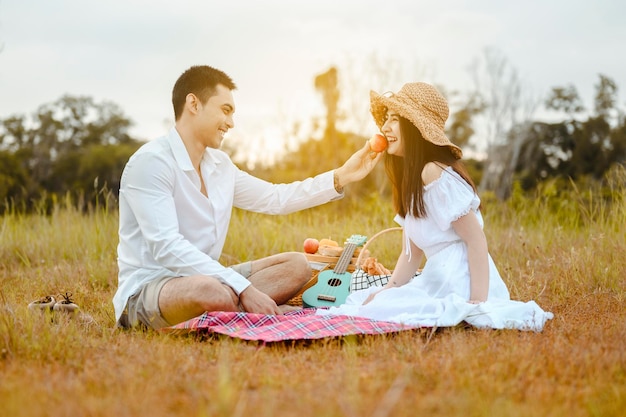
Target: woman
[438, 207]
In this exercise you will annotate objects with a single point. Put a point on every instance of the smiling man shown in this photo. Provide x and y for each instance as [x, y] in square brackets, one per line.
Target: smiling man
[176, 197]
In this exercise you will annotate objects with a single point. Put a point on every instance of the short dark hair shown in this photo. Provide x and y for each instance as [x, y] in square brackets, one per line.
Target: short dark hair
[200, 80]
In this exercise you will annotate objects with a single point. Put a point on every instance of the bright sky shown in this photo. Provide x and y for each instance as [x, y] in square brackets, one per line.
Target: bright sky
[131, 51]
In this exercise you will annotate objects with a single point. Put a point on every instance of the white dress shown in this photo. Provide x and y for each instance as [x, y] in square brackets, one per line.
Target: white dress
[438, 296]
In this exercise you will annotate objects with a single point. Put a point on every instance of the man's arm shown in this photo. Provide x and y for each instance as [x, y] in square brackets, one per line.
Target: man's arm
[254, 194]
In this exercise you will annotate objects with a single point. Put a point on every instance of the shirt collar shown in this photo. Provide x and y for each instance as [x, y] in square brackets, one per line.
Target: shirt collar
[182, 156]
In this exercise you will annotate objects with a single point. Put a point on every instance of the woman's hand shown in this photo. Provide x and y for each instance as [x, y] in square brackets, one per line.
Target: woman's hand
[371, 296]
[405, 268]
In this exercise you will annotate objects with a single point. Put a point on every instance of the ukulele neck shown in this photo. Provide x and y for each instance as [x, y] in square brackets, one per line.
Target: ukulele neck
[345, 258]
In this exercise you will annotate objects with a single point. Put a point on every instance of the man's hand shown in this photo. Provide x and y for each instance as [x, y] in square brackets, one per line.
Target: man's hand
[361, 163]
[254, 301]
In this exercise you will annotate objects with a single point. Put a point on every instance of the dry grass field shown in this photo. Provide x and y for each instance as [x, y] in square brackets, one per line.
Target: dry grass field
[564, 250]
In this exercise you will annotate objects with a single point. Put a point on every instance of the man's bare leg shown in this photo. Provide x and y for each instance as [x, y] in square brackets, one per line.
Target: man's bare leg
[184, 298]
[281, 276]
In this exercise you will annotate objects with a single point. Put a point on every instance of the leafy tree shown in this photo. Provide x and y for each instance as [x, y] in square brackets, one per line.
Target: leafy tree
[546, 152]
[565, 99]
[605, 97]
[15, 134]
[14, 180]
[327, 85]
[592, 147]
[66, 145]
[574, 149]
[618, 143]
[317, 155]
[461, 129]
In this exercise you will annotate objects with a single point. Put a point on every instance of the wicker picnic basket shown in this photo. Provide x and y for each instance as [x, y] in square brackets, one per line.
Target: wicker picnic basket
[370, 273]
[370, 240]
[363, 253]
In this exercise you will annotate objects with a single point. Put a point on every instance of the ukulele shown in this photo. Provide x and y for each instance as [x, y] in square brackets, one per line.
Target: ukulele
[332, 287]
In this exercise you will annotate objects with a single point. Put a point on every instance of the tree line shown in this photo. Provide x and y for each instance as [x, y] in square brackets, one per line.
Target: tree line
[584, 144]
[575, 147]
[73, 145]
[78, 147]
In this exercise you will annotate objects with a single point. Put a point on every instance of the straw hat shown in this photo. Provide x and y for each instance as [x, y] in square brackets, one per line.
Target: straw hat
[422, 105]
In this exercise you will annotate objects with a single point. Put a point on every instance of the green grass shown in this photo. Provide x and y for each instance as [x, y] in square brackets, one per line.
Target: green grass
[562, 248]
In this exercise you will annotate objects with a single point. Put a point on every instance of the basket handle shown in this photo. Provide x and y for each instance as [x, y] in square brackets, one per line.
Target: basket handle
[370, 240]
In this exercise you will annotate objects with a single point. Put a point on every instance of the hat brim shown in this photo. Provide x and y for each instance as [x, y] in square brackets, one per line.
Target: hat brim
[381, 104]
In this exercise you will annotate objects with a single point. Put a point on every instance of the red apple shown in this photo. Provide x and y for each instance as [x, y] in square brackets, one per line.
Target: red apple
[378, 143]
[311, 245]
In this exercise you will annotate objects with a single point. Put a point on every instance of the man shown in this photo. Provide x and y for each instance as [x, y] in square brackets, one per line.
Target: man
[176, 199]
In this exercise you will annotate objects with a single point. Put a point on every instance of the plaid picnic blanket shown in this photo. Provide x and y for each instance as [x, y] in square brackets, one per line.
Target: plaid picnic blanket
[295, 325]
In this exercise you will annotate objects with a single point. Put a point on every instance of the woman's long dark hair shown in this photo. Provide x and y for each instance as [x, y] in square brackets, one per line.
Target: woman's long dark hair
[405, 172]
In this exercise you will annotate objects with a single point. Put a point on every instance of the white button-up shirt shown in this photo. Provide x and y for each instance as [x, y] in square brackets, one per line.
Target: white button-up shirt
[169, 228]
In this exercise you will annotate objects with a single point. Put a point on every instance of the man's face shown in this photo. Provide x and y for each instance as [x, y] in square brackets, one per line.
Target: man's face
[215, 117]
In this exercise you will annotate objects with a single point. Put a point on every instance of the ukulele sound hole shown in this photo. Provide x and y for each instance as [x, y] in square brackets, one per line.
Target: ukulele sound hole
[334, 282]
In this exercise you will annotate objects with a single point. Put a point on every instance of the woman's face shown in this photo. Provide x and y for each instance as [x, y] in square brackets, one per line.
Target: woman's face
[391, 130]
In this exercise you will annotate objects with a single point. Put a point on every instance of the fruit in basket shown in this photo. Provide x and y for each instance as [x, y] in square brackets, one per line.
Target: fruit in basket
[328, 242]
[378, 142]
[311, 245]
[330, 250]
[371, 266]
[329, 247]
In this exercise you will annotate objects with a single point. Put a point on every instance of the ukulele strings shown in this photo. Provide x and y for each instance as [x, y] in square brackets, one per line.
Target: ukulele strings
[343, 262]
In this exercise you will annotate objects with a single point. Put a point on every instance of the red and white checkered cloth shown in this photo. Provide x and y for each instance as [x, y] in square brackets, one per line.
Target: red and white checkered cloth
[294, 325]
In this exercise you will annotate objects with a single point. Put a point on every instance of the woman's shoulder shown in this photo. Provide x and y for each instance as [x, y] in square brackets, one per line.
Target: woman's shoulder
[431, 172]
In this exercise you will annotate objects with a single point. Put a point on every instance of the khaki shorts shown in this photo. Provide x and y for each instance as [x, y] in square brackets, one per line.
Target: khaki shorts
[142, 308]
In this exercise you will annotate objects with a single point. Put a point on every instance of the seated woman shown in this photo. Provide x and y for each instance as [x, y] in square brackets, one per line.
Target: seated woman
[439, 210]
